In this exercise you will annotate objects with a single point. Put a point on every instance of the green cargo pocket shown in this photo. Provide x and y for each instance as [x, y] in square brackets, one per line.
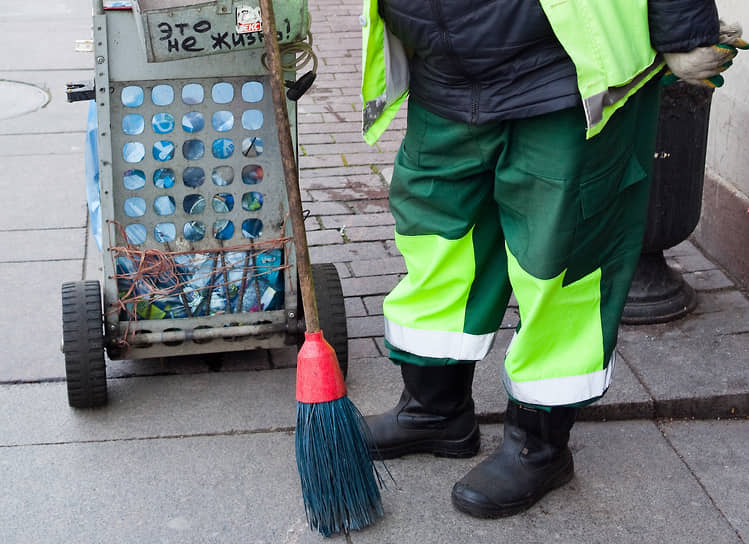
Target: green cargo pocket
[598, 193]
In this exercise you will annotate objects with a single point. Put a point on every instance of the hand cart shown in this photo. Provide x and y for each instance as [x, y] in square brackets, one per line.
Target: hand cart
[196, 254]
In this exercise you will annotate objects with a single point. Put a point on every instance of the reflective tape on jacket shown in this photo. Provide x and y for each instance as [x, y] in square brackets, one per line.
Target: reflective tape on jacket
[609, 43]
[595, 106]
[460, 346]
[385, 73]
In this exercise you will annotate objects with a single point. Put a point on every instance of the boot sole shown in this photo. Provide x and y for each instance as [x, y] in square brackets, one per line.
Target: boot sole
[460, 448]
[486, 511]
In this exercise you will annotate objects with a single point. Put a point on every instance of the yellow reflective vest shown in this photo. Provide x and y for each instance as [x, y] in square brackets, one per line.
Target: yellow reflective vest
[608, 41]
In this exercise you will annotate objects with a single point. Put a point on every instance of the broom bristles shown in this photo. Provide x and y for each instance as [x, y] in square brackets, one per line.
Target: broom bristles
[340, 483]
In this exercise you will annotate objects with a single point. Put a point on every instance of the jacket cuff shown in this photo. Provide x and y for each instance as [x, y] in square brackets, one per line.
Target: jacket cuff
[682, 25]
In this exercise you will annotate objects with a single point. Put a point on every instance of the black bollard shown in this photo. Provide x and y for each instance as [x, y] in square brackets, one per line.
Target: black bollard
[659, 293]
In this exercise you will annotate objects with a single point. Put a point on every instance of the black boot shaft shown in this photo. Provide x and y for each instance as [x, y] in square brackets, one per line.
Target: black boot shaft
[440, 390]
[435, 414]
[551, 427]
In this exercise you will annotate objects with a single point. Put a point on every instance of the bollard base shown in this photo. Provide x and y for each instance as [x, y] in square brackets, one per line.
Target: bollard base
[658, 293]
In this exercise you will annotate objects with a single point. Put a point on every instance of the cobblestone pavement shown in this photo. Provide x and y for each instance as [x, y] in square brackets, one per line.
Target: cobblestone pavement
[344, 180]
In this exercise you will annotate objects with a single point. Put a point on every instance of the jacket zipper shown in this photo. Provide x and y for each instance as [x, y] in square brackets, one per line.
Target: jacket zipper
[475, 87]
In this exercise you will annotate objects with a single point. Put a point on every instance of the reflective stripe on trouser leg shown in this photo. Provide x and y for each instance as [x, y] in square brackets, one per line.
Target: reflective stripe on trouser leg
[556, 357]
[563, 390]
[425, 312]
[450, 304]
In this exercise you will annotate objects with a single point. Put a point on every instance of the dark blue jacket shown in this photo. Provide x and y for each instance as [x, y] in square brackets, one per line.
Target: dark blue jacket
[477, 61]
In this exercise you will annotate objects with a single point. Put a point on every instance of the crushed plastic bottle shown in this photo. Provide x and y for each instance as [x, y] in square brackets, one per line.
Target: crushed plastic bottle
[204, 285]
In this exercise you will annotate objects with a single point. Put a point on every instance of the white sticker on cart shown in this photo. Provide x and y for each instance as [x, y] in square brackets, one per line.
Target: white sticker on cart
[248, 20]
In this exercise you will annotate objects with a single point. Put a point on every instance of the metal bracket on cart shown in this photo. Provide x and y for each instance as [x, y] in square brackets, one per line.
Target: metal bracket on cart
[77, 91]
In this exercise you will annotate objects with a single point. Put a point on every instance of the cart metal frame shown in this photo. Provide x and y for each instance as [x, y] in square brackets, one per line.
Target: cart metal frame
[120, 62]
[157, 46]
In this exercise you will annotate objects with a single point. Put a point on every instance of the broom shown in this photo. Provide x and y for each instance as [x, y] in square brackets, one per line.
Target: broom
[340, 484]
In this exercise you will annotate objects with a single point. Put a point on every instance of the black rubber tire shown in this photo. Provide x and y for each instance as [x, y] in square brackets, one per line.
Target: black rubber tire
[83, 344]
[331, 311]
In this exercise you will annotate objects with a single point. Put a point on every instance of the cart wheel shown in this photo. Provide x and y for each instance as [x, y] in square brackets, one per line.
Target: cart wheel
[83, 344]
[331, 311]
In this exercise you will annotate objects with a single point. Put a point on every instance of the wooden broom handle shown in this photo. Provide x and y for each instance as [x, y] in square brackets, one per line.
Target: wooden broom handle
[291, 175]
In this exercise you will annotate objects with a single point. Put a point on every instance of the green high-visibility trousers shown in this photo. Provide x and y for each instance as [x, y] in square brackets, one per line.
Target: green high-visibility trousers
[526, 206]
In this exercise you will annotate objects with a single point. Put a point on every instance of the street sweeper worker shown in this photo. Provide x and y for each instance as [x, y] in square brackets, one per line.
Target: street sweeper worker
[524, 169]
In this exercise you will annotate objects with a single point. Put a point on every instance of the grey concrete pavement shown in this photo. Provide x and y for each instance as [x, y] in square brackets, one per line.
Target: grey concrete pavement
[200, 449]
[636, 481]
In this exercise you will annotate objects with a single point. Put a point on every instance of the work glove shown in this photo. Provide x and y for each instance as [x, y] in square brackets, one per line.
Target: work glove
[703, 65]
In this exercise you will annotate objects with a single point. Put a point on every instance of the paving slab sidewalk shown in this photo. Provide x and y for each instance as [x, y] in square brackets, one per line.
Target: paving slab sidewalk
[635, 482]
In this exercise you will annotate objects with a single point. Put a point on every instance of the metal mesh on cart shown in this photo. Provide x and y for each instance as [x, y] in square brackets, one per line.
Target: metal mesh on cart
[188, 157]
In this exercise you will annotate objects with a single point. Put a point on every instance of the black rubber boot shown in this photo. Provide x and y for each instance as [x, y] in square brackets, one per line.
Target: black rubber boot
[532, 460]
[435, 415]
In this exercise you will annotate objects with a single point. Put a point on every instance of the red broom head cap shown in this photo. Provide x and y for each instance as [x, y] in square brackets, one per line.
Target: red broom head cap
[318, 376]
